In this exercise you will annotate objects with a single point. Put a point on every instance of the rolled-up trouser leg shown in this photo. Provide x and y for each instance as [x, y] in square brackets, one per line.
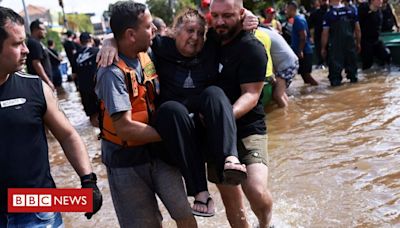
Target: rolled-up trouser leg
[177, 130]
[220, 125]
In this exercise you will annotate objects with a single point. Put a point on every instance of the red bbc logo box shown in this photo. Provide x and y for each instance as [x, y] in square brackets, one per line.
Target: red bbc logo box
[50, 200]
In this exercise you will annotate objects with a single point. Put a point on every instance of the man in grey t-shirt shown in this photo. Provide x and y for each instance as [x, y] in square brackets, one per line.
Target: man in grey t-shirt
[135, 175]
[285, 63]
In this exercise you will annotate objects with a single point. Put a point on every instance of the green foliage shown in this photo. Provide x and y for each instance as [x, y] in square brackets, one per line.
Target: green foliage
[79, 22]
[53, 35]
[184, 4]
[163, 9]
[257, 6]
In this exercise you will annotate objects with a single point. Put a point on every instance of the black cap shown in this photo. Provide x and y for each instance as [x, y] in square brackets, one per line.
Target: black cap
[84, 37]
[68, 33]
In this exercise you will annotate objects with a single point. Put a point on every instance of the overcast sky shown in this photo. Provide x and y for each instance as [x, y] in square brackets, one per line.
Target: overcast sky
[70, 6]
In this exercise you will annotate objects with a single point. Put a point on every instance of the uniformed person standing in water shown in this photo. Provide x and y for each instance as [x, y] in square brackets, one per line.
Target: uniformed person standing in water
[340, 26]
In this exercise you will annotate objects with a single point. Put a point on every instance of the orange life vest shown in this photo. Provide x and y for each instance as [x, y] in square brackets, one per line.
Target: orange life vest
[141, 96]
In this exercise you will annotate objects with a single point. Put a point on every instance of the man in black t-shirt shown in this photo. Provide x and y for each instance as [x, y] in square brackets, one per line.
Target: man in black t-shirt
[315, 22]
[370, 18]
[55, 61]
[71, 48]
[242, 68]
[38, 61]
[86, 68]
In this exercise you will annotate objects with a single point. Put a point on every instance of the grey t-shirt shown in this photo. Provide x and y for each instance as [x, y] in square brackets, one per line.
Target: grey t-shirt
[112, 90]
[281, 53]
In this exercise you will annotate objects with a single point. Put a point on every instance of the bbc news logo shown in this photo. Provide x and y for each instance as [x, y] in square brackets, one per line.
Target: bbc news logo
[50, 200]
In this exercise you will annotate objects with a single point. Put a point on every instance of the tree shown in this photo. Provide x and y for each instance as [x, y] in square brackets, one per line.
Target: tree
[167, 9]
[79, 22]
[53, 35]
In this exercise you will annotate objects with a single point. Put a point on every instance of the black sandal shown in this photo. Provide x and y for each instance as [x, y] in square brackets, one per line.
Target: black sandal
[234, 176]
[203, 214]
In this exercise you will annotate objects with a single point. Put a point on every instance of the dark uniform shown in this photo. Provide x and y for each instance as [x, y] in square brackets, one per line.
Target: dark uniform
[342, 50]
[316, 22]
[371, 46]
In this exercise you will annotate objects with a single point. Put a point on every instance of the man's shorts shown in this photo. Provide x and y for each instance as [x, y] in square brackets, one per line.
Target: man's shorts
[252, 149]
[289, 73]
[133, 191]
[305, 64]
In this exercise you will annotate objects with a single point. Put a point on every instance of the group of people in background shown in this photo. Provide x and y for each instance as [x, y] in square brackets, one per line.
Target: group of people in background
[342, 33]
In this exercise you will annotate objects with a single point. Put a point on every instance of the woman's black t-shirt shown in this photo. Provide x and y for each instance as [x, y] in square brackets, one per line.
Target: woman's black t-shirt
[181, 77]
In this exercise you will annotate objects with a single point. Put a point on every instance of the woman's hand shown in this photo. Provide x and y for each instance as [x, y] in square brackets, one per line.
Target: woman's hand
[250, 21]
[108, 53]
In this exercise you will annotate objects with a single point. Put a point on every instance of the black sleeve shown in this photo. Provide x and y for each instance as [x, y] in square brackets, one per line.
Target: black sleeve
[35, 50]
[156, 43]
[254, 63]
[312, 20]
[56, 61]
[362, 12]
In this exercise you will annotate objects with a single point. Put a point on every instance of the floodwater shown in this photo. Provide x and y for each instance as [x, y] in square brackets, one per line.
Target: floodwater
[335, 157]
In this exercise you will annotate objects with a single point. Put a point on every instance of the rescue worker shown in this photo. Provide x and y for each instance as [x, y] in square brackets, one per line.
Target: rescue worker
[342, 29]
[127, 90]
[370, 17]
[316, 21]
[264, 38]
[285, 65]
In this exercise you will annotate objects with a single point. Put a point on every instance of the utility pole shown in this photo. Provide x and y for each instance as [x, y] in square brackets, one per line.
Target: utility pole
[172, 5]
[60, 2]
[27, 20]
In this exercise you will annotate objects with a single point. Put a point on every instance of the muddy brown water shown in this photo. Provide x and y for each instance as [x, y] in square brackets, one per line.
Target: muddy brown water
[335, 157]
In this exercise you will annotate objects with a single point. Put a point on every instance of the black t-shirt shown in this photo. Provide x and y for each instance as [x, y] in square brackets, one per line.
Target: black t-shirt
[86, 67]
[182, 77]
[370, 23]
[55, 62]
[37, 51]
[243, 60]
[388, 19]
[71, 48]
[316, 19]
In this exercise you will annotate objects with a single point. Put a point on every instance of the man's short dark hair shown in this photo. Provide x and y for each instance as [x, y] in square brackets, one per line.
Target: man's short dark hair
[35, 25]
[50, 42]
[6, 15]
[293, 4]
[124, 15]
